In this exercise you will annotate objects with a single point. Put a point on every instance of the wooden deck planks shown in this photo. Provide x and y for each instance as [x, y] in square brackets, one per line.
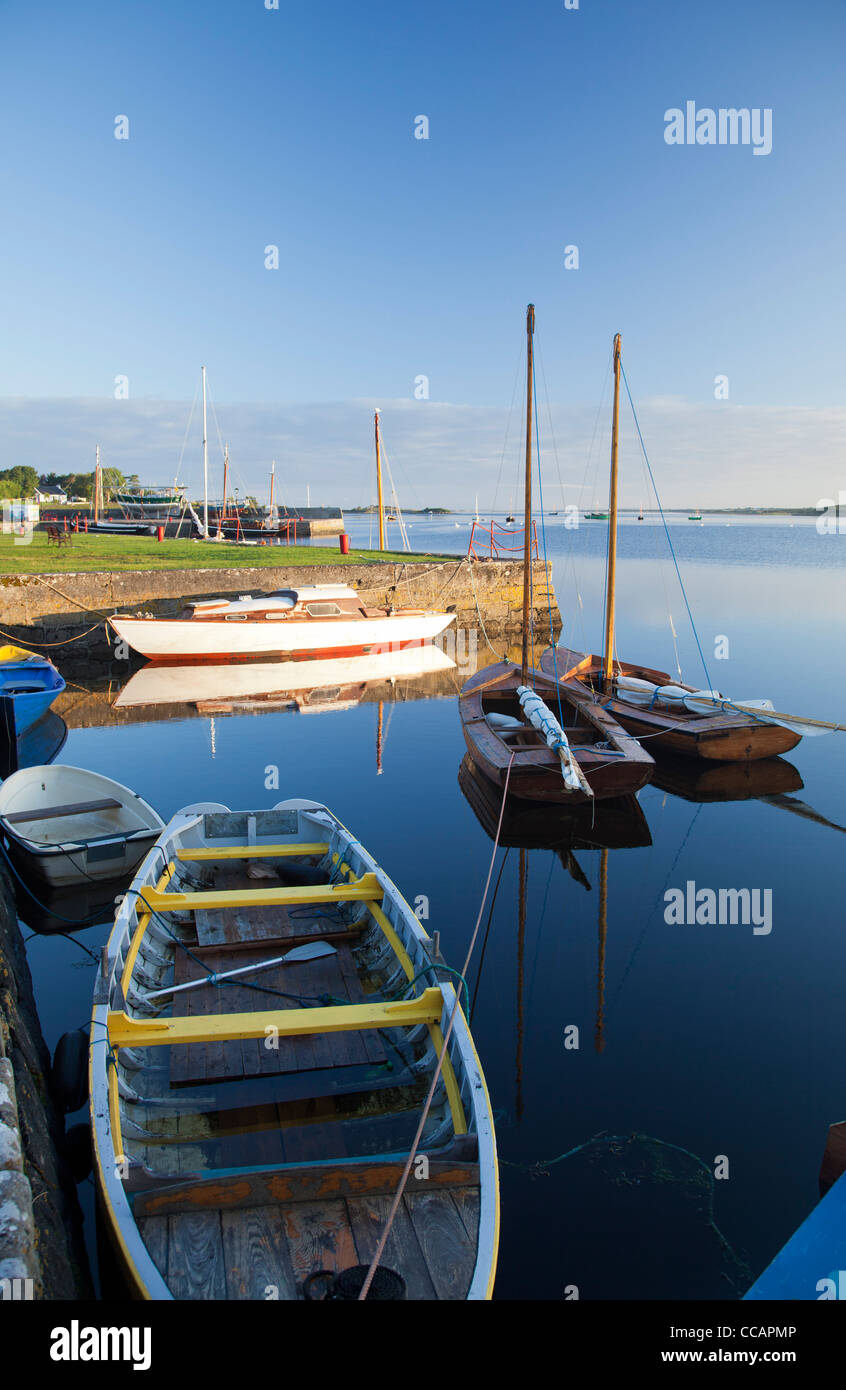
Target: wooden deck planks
[402, 1253]
[256, 1255]
[195, 1256]
[268, 1251]
[450, 1255]
[153, 1232]
[319, 1237]
[334, 976]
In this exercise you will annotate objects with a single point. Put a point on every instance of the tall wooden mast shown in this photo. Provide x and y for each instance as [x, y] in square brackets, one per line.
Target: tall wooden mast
[527, 541]
[379, 486]
[205, 465]
[608, 664]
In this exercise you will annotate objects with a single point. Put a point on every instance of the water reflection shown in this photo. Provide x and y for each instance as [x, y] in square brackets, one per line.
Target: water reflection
[306, 686]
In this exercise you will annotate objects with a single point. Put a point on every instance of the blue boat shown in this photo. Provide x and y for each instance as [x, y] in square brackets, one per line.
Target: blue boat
[812, 1265]
[28, 686]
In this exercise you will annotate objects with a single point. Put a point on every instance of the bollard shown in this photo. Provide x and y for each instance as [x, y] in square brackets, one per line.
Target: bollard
[159, 533]
[344, 543]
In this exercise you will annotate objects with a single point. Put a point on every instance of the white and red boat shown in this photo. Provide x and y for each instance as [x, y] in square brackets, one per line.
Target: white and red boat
[329, 619]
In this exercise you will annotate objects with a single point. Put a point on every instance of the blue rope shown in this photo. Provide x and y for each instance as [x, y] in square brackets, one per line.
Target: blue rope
[88, 921]
[666, 528]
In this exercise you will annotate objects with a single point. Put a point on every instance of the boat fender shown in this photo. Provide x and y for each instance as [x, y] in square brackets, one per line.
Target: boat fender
[80, 1152]
[347, 1285]
[69, 1073]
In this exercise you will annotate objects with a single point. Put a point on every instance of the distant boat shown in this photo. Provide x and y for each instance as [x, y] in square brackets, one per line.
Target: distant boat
[596, 516]
[29, 684]
[640, 513]
[327, 619]
[695, 516]
[69, 825]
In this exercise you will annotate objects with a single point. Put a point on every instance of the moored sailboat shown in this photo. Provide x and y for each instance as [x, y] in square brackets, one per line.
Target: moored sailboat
[524, 730]
[330, 619]
[671, 715]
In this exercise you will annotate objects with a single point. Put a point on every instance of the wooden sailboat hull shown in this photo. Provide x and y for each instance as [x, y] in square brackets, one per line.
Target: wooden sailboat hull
[613, 763]
[228, 1166]
[173, 639]
[722, 737]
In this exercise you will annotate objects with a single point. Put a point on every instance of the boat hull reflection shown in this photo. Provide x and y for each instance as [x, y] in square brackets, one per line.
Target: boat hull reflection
[317, 684]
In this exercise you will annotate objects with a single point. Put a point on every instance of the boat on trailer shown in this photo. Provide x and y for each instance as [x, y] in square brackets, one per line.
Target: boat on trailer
[268, 1018]
[329, 619]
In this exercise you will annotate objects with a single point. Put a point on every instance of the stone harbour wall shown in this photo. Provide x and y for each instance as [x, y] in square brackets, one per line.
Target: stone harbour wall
[40, 1218]
[484, 594]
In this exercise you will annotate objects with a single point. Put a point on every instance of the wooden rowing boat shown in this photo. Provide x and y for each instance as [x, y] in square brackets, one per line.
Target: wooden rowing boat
[67, 825]
[723, 735]
[250, 1133]
[611, 761]
[528, 732]
[29, 684]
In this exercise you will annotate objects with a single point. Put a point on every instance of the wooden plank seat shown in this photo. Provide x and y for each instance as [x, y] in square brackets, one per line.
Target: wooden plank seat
[234, 852]
[365, 889]
[77, 808]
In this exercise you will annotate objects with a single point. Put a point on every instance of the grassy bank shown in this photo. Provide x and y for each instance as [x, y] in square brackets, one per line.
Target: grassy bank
[105, 553]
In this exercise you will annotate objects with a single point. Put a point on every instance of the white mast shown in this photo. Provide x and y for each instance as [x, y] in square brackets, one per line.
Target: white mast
[205, 464]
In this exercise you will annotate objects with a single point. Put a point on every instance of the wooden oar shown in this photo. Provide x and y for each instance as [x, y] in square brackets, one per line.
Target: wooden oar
[823, 724]
[311, 951]
[695, 703]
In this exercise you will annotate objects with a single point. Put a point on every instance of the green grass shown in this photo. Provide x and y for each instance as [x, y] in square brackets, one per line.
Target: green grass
[105, 553]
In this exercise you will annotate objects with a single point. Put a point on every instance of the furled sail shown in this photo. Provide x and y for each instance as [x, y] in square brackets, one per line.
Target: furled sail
[540, 716]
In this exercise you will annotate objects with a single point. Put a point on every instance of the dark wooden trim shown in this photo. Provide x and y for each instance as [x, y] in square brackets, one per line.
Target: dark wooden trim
[307, 1184]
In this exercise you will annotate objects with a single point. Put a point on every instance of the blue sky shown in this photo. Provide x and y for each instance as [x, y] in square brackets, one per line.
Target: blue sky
[401, 257]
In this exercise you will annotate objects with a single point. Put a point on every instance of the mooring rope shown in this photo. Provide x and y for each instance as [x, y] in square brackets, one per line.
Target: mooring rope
[383, 1239]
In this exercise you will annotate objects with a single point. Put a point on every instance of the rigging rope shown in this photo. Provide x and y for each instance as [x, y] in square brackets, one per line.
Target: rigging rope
[383, 1239]
[666, 528]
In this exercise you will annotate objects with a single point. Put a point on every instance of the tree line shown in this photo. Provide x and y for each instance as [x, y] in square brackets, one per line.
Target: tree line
[22, 481]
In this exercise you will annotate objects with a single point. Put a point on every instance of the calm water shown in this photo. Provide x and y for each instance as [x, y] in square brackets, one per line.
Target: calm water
[714, 1041]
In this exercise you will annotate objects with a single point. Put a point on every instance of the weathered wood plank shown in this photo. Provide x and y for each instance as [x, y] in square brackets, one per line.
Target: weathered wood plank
[449, 1253]
[308, 1184]
[402, 1250]
[468, 1203]
[153, 1232]
[319, 1237]
[195, 1256]
[256, 1256]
